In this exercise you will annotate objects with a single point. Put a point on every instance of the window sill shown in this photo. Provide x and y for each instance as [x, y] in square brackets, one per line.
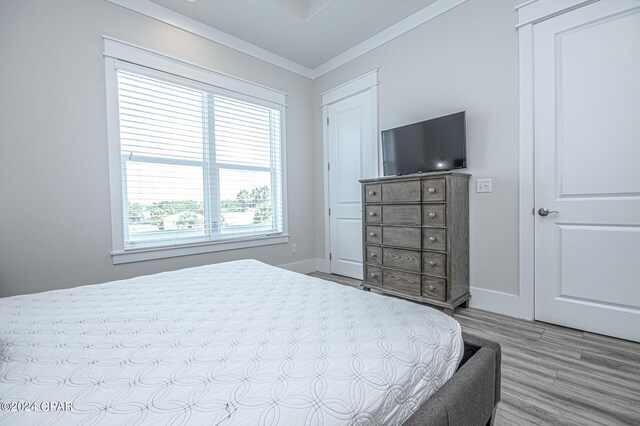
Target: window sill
[151, 253]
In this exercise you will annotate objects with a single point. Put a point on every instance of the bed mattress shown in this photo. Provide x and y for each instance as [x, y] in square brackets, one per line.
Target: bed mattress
[237, 343]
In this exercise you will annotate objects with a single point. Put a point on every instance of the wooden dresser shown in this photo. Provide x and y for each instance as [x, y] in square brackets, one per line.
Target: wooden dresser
[416, 237]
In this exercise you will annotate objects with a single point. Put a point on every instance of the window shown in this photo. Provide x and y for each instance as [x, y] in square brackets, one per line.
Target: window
[198, 165]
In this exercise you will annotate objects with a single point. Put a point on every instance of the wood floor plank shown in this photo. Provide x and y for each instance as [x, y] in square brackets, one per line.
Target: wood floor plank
[550, 411]
[624, 408]
[614, 363]
[580, 403]
[612, 341]
[538, 353]
[536, 370]
[578, 366]
[629, 389]
[573, 404]
[521, 342]
[510, 329]
[511, 412]
[337, 278]
[597, 381]
[513, 371]
[503, 319]
[553, 375]
[597, 346]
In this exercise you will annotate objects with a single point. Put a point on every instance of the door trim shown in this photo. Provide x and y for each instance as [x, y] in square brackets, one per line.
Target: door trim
[366, 82]
[529, 14]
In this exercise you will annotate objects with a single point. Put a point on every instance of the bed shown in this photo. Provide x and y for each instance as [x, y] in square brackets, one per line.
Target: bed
[238, 343]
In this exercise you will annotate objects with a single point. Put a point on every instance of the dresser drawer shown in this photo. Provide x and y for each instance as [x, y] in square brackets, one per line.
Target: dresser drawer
[404, 282]
[401, 215]
[433, 190]
[374, 254]
[374, 275]
[434, 215]
[434, 288]
[408, 260]
[434, 263]
[401, 236]
[374, 234]
[372, 193]
[372, 214]
[434, 239]
[401, 191]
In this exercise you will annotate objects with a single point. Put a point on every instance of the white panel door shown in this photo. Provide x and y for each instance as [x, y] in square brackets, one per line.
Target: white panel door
[587, 168]
[352, 156]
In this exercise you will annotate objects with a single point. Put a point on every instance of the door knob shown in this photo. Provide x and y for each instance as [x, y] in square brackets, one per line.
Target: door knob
[546, 212]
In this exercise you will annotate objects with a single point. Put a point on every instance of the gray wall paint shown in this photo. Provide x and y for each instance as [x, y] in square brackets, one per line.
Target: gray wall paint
[54, 190]
[466, 59]
[55, 227]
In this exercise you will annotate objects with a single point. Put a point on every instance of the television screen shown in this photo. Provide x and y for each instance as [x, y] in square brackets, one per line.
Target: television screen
[433, 145]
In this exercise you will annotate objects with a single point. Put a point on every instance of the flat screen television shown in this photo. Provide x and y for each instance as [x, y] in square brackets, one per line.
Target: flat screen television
[433, 145]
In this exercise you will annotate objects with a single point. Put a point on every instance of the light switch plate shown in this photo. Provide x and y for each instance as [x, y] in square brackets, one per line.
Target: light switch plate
[483, 185]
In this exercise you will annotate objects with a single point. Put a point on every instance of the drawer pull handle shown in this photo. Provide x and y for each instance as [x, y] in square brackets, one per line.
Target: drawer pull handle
[372, 254]
[432, 239]
[372, 214]
[372, 234]
[432, 287]
[432, 190]
[372, 192]
[374, 275]
[432, 215]
[432, 263]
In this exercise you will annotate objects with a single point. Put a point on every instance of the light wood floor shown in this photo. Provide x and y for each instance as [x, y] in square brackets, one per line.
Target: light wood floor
[553, 375]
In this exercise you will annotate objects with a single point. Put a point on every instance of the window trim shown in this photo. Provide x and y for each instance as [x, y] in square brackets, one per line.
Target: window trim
[122, 55]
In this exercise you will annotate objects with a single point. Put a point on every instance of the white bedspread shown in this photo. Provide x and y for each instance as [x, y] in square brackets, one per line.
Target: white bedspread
[239, 343]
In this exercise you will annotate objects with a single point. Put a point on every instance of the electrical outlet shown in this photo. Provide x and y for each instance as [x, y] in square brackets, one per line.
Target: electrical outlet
[483, 185]
[294, 248]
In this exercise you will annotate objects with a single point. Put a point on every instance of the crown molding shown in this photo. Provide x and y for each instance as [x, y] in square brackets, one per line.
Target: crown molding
[534, 11]
[526, 3]
[163, 14]
[426, 14]
[168, 16]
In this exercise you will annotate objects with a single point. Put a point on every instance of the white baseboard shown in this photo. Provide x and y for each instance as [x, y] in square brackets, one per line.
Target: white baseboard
[500, 303]
[303, 266]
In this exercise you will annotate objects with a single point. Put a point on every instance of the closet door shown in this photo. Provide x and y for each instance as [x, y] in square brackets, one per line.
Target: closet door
[352, 156]
[587, 169]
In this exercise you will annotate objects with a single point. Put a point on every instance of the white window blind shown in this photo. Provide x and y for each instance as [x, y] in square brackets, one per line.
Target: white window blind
[197, 166]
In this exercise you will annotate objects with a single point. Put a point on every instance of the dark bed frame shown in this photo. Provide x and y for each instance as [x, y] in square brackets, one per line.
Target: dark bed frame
[472, 394]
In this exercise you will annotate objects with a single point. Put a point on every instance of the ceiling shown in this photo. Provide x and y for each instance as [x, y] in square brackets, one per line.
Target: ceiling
[307, 32]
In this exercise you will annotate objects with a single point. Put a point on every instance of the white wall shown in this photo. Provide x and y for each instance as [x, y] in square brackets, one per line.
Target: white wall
[466, 59]
[54, 191]
[54, 188]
